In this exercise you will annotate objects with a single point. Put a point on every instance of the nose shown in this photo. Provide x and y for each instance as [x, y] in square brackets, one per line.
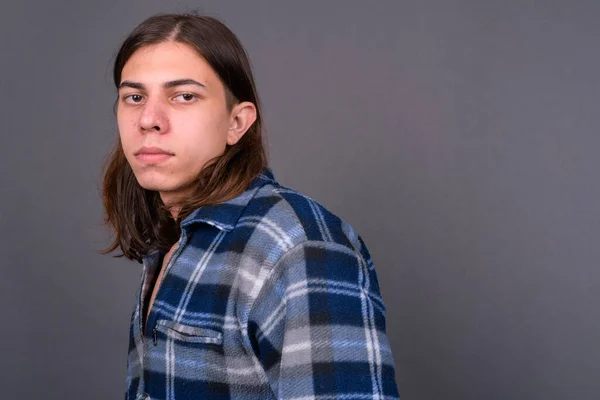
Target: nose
[153, 117]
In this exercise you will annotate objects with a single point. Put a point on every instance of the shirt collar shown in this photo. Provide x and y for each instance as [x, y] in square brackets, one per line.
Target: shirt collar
[225, 215]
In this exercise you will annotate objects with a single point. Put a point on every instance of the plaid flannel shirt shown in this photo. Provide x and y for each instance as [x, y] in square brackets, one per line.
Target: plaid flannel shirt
[266, 296]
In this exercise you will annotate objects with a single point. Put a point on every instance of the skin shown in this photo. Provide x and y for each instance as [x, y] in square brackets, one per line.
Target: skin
[189, 121]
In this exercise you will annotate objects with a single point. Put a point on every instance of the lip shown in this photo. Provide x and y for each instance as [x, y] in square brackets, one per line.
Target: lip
[152, 154]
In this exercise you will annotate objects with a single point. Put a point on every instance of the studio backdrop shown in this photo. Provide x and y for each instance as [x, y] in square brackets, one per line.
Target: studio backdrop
[459, 138]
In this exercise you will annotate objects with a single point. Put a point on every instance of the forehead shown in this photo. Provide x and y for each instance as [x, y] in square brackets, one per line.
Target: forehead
[158, 63]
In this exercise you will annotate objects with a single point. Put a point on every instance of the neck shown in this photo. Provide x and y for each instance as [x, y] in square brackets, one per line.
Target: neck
[167, 201]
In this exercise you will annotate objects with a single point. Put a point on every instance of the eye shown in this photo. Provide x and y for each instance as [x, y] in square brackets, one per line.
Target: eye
[186, 97]
[132, 98]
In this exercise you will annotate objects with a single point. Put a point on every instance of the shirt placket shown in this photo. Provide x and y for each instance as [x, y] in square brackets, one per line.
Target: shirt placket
[162, 290]
[151, 268]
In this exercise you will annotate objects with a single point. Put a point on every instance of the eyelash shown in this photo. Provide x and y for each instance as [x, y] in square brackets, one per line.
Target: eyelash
[182, 94]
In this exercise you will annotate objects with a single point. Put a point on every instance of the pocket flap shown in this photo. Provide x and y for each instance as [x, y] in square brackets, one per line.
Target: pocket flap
[189, 333]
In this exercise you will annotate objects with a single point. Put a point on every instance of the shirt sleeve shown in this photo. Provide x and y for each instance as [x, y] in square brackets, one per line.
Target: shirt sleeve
[318, 326]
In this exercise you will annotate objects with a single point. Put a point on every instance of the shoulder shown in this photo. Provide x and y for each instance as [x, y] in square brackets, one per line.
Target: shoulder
[323, 256]
[292, 219]
[302, 249]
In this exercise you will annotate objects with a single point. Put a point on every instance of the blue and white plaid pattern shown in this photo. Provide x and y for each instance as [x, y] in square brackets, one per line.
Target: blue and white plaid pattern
[267, 296]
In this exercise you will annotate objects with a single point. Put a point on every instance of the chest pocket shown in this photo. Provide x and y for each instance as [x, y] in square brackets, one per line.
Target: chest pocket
[188, 333]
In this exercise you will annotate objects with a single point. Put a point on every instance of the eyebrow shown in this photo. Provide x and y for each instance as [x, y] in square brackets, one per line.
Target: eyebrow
[166, 85]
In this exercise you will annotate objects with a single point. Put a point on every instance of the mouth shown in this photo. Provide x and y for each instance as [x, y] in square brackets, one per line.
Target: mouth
[152, 155]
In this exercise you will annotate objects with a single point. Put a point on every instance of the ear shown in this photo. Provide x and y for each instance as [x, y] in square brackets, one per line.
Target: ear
[243, 115]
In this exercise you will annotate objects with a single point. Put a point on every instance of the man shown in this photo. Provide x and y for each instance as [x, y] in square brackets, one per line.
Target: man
[250, 290]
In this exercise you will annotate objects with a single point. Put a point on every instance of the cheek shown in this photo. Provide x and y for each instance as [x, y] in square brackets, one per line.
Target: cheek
[127, 128]
[206, 130]
[201, 143]
[126, 123]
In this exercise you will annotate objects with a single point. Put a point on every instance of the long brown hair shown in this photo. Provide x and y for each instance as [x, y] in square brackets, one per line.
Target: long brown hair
[139, 218]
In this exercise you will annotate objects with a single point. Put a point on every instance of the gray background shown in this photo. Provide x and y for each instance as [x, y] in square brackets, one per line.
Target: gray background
[458, 137]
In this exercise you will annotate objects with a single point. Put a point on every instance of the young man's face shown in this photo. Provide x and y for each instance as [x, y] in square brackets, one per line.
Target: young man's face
[172, 117]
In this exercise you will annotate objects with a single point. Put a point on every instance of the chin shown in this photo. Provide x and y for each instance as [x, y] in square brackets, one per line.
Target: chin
[158, 184]
[156, 188]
